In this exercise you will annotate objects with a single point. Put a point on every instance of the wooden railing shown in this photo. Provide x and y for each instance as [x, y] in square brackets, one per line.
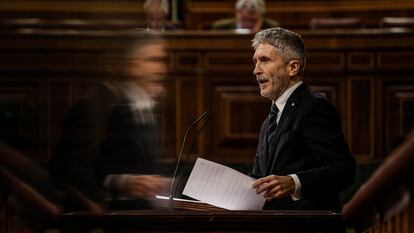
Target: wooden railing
[28, 201]
[384, 203]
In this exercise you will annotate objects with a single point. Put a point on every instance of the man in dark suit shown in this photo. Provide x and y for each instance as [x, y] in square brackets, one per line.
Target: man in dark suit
[302, 158]
[249, 14]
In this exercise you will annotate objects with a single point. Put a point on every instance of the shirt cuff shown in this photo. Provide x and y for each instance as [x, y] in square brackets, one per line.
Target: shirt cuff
[296, 195]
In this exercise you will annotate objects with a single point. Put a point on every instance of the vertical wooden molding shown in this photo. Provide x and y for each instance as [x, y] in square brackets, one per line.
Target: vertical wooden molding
[361, 88]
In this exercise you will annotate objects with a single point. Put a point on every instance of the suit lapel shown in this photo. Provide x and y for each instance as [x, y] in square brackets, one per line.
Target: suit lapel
[288, 111]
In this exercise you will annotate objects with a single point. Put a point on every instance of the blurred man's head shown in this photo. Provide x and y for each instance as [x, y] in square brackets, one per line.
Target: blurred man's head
[147, 66]
[156, 13]
[250, 14]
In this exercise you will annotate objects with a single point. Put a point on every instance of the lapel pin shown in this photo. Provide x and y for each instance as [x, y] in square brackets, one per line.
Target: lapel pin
[292, 104]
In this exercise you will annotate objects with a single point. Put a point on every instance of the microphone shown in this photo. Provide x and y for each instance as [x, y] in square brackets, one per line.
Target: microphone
[179, 157]
[191, 149]
[197, 134]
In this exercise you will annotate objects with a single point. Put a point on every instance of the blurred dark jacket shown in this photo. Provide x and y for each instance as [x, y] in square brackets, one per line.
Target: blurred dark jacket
[106, 134]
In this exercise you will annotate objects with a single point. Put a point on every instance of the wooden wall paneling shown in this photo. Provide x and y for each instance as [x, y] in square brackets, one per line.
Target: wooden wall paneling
[379, 106]
[21, 61]
[396, 60]
[327, 61]
[167, 116]
[59, 102]
[23, 122]
[209, 71]
[238, 112]
[361, 117]
[43, 104]
[69, 9]
[230, 60]
[188, 60]
[361, 60]
[398, 112]
[188, 107]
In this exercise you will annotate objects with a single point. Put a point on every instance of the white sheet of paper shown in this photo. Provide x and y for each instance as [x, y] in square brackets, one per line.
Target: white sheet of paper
[222, 186]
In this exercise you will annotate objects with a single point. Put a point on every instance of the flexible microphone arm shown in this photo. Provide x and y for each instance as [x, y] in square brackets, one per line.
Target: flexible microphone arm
[190, 150]
[197, 134]
[179, 157]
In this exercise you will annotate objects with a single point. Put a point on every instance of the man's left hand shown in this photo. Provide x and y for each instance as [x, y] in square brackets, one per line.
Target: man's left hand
[274, 186]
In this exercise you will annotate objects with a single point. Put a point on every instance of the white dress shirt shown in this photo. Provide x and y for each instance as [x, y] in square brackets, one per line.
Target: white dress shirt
[280, 103]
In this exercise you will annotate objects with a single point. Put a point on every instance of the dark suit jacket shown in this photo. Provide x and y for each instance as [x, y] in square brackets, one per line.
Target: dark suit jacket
[230, 23]
[308, 142]
[101, 136]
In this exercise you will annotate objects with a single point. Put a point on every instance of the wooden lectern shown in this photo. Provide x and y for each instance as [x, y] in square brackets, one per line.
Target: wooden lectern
[209, 219]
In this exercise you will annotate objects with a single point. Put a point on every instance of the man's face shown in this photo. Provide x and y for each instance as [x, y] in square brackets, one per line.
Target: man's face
[149, 68]
[271, 71]
[248, 19]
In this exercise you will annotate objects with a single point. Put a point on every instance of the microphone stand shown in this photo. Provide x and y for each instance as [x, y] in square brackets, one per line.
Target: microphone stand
[190, 150]
[179, 158]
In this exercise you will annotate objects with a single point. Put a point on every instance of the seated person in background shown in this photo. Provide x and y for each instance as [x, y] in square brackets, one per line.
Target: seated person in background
[250, 14]
[157, 12]
[109, 142]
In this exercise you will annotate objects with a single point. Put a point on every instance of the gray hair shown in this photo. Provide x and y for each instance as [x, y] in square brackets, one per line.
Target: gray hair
[163, 5]
[289, 44]
[254, 5]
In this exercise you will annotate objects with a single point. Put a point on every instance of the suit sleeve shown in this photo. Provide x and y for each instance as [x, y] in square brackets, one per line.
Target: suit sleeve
[325, 142]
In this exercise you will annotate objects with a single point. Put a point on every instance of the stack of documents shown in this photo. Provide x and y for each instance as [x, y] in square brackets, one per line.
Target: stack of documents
[222, 186]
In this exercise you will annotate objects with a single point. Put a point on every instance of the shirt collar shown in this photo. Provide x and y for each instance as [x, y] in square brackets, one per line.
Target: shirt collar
[281, 101]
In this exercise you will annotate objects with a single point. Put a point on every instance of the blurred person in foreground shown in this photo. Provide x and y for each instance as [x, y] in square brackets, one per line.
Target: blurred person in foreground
[249, 14]
[110, 140]
[156, 13]
[302, 160]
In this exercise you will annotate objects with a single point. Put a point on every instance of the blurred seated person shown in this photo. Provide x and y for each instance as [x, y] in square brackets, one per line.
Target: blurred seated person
[249, 14]
[157, 12]
[109, 142]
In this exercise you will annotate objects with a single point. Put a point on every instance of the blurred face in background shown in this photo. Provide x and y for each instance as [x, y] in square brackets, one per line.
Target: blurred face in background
[249, 19]
[156, 18]
[149, 68]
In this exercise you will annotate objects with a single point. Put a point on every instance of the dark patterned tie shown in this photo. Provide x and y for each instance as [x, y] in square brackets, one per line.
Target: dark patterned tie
[271, 127]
